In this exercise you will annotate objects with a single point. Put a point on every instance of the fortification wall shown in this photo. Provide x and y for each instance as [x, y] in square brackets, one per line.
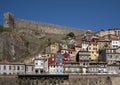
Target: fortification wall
[18, 24]
[73, 80]
[47, 28]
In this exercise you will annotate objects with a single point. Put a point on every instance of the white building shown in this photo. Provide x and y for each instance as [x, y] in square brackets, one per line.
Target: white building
[56, 69]
[39, 65]
[12, 69]
[115, 43]
[30, 69]
[85, 45]
[52, 69]
[117, 32]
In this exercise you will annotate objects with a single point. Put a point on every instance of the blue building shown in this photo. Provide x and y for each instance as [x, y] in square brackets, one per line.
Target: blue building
[58, 59]
[59, 69]
[56, 69]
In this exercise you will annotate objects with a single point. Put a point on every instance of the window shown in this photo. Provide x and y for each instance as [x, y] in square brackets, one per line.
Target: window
[27, 68]
[32, 68]
[14, 67]
[62, 51]
[36, 63]
[52, 59]
[22, 67]
[69, 52]
[57, 70]
[9, 67]
[18, 67]
[4, 67]
[116, 57]
[110, 56]
[94, 48]
[83, 63]
[41, 63]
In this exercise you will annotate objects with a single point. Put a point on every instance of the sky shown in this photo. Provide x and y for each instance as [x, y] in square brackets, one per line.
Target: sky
[81, 14]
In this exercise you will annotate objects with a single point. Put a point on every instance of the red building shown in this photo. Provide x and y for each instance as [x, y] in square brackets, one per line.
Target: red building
[51, 60]
[66, 57]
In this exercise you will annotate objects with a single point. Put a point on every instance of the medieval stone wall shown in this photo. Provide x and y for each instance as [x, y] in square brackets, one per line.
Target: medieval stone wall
[47, 28]
[18, 24]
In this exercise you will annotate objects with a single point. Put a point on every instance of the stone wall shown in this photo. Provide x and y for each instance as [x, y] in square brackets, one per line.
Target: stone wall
[73, 80]
[18, 24]
[47, 28]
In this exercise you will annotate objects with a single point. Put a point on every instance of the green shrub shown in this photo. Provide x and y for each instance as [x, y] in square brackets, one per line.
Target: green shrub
[2, 29]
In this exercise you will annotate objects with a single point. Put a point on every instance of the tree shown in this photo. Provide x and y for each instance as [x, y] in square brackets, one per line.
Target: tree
[71, 35]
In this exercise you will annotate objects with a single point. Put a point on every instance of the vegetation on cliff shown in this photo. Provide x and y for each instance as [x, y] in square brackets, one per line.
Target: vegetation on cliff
[23, 44]
[2, 29]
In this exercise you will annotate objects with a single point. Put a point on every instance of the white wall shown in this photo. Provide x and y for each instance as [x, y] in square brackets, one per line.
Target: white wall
[115, 43]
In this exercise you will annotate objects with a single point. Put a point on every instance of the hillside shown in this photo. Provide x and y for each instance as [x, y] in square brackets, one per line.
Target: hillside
[18, 45]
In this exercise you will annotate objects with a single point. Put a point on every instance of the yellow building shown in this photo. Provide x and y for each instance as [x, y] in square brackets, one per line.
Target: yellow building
[48, 55]
[103, 44]
[54, 47]
[93, 49]
[106, 32]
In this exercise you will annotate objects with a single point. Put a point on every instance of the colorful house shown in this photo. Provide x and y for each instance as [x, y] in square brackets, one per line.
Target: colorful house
[93, 49]
[97, 67]
[72, 67]
[48, 55]
[51, 60]
[112, 55]
[39, 65]
[83, 58]
[58, 59]
[30, 69]
[66, 57]
[71, 52]
[56, 69]
[52, 48]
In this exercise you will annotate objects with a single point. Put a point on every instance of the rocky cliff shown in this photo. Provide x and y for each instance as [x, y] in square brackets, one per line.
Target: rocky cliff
[25, 39]
[17, 45]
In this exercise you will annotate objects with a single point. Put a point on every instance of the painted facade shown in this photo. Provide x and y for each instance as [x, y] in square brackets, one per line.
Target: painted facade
[39, 65]
[117, 32]
[115, 43]
[106, 32]
[30, 69]
[85, 45]
[51, 60]
[113, 69]
[56, 69]
[93, 49]
[112, 56]
[84, 58]
[71, 52]
[72, 68]
[66, 57]
[58, 59]
[97, 67]
[12, 69]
